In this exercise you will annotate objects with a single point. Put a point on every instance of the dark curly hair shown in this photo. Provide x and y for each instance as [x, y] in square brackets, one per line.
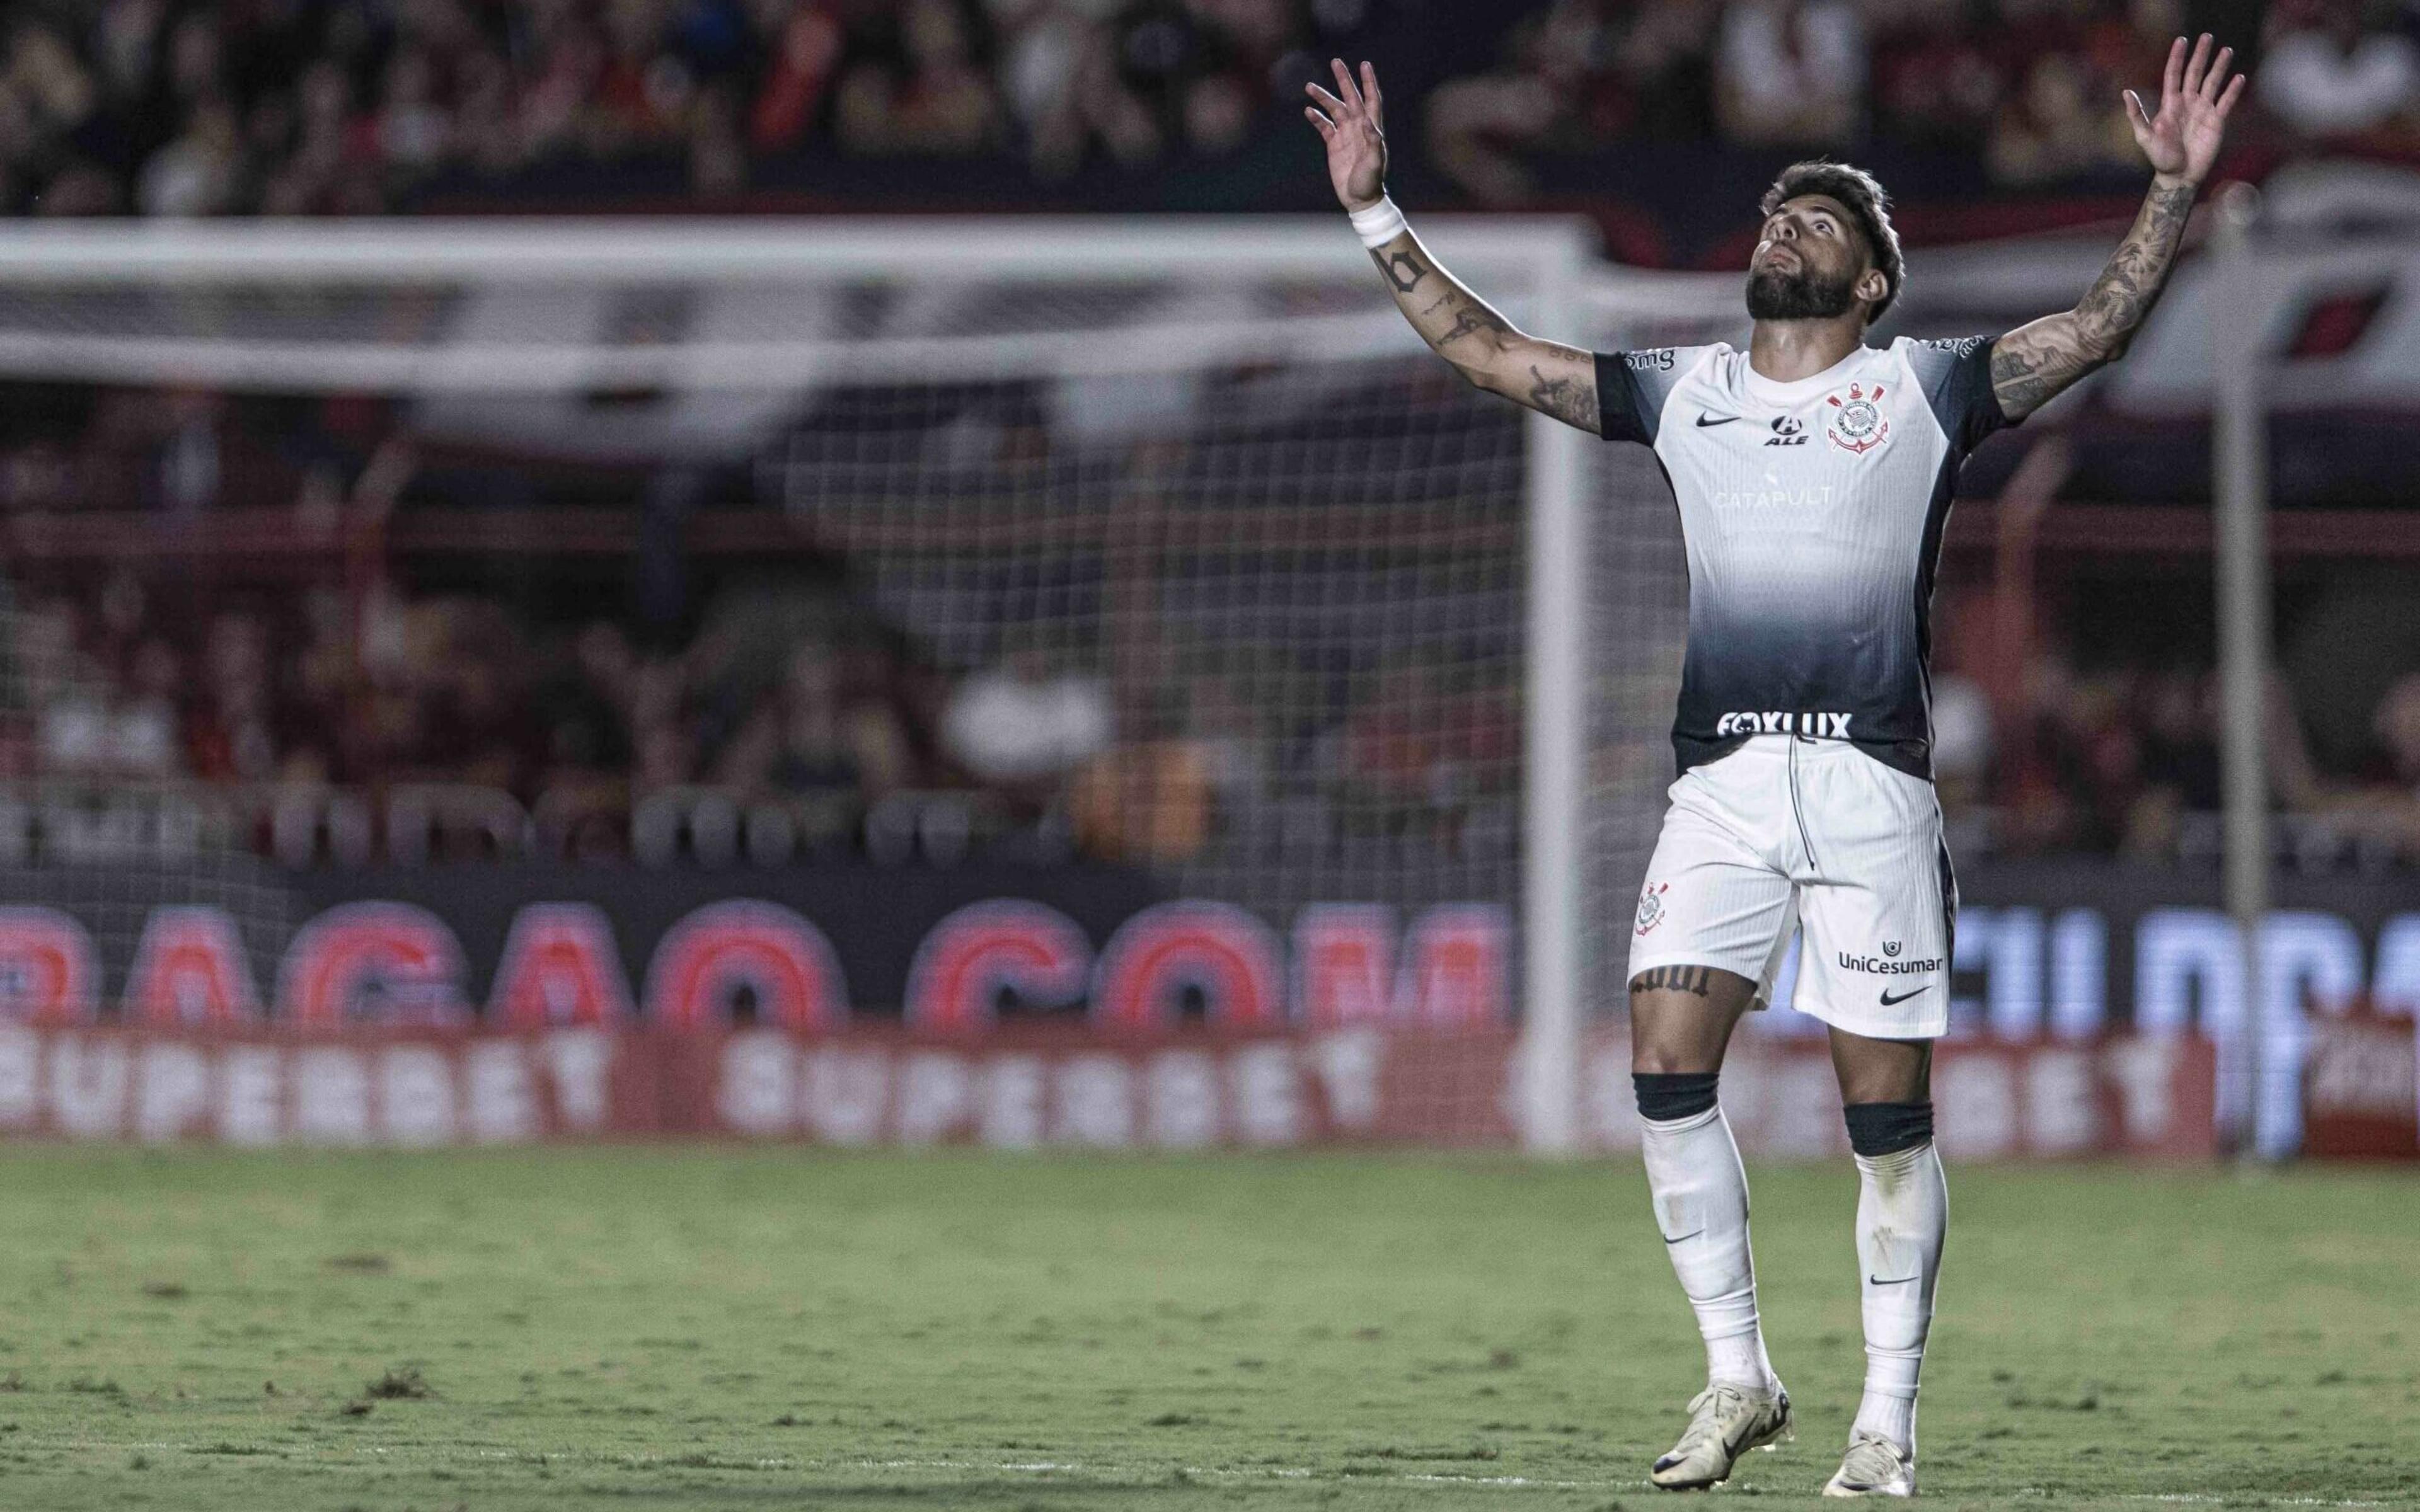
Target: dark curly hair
[1866, 203]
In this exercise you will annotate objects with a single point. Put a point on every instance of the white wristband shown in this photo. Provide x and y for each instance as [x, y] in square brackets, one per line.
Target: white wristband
[1380, 224]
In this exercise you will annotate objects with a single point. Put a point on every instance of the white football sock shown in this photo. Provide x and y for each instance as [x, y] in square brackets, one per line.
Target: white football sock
[1700, 1191]
[1902, 1215]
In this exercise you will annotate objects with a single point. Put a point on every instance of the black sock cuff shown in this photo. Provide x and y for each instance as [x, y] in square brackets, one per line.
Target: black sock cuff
[1888, 1128]
[1664, 1096]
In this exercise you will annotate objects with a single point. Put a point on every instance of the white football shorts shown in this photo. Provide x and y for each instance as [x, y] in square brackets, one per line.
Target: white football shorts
[1788, 831]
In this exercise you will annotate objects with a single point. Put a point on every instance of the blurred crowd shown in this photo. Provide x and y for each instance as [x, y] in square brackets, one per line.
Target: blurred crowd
[2026, 91]
[134, 681]
[172, 107]
[785, 695]
[348, 106]
[2124, 760]
[186, 107]
[782, 695]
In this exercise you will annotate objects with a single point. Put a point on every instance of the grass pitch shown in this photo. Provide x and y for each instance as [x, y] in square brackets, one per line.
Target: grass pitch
[663, 1328]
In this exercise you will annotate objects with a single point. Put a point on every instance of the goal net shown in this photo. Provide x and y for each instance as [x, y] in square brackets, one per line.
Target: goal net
[1331, 631]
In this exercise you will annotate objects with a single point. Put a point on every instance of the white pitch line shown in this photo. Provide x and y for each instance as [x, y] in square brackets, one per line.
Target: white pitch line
[2214, 1498]
[1492, 1482]
[1059, 1467]
[1510, 1481]
[1234, 1472]
[2273, 1501]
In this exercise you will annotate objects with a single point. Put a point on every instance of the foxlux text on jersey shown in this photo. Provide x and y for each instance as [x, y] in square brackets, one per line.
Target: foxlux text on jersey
[1785, 723]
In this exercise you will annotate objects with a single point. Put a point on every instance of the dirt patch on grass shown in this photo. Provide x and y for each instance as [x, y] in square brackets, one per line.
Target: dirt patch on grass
[361, 1262]
[404, 1383]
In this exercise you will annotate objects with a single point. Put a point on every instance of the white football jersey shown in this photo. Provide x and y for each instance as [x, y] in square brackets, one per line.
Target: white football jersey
[1813, 513]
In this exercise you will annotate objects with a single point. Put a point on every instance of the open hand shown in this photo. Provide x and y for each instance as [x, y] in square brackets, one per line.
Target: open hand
[2196, 97]
[1349, 122]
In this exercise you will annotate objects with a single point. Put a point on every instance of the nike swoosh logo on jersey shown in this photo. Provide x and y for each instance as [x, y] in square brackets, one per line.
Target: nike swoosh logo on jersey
[1888, 1000]
[1705, 420]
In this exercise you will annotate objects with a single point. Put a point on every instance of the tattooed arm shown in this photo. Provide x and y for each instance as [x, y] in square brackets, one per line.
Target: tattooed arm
[2033, 363]
[1483, 346]
[1458, 325]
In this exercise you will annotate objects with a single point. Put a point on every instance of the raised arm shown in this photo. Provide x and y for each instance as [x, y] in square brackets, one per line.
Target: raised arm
[2033, 364]
[1482, 345]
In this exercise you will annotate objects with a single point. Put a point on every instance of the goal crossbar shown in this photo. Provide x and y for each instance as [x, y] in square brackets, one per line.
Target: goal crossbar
[1041, 248]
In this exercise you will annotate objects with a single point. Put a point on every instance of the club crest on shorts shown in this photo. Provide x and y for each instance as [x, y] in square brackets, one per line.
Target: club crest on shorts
[1650, 906]
[1858, 422]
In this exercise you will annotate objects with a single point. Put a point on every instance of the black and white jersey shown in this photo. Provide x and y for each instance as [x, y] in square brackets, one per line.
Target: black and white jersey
[1813, 513]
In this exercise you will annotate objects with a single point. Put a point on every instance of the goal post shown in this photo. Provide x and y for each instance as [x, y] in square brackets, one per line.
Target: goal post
[1554, 562]
[1555, 751]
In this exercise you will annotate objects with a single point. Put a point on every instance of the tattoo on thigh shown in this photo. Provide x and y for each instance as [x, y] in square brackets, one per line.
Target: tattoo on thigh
[1697, 979]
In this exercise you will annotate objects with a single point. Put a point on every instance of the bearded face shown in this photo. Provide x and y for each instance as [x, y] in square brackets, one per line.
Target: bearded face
[1792, 287]
[1807, 262]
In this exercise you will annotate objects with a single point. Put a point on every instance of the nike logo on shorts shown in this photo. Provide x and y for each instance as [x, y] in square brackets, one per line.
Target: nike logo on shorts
[1705, 420]
[1889, 1281]
[1890, 1001]
[1685, 1238]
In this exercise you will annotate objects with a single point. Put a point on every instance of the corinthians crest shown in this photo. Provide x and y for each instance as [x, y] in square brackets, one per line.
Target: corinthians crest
[1858, 422]
[1650, 906]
